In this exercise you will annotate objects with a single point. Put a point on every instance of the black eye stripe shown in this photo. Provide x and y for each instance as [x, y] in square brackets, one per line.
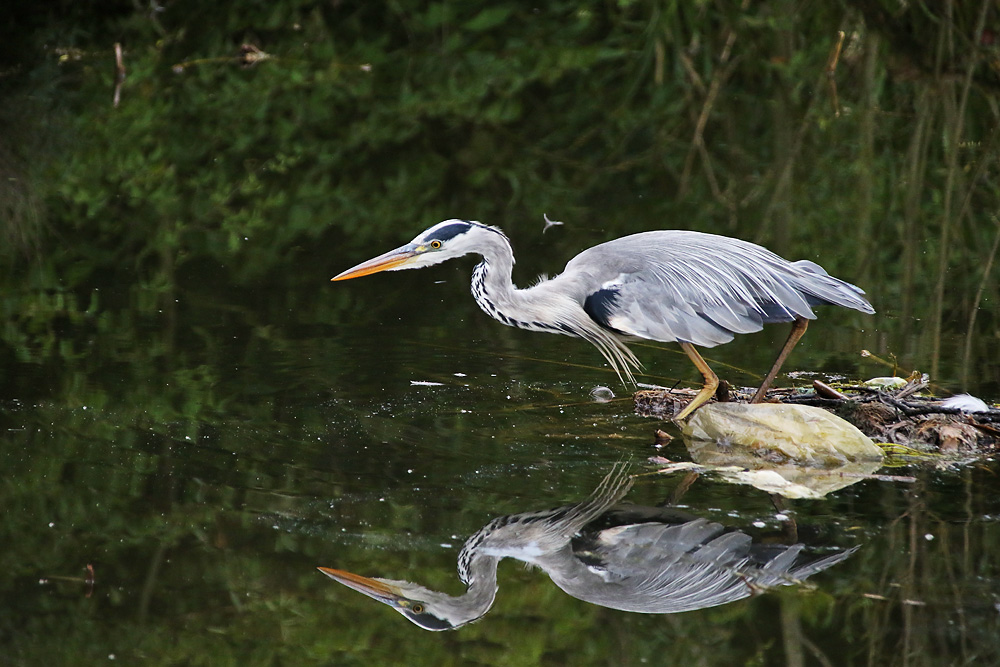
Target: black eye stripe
[429, 621]
[448, 232]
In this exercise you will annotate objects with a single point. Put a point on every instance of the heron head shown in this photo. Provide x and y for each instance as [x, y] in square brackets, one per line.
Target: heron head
[421, 606]
[445, 240]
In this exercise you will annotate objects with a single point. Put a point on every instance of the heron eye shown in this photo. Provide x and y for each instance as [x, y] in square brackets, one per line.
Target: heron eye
[419, 608]
[435, 244]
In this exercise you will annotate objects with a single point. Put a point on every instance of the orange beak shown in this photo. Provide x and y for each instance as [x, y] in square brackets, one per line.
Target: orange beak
[370, 587]
[384, 262]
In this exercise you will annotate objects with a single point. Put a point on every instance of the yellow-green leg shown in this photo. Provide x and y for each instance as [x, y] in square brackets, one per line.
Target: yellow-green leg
[707, 390]
[799, 327]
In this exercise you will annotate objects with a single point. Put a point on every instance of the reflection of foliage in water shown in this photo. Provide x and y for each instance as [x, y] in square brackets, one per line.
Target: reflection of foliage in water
[366, 125]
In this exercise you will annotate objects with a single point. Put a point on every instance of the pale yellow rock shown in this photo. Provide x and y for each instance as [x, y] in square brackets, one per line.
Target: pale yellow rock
[775, 433]
[792, 450]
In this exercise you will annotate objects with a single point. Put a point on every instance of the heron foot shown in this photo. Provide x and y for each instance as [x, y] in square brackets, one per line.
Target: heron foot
[700, 399]
[707, 390]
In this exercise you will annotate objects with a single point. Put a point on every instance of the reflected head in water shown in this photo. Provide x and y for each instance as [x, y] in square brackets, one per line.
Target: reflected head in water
[428, 609]
[667, 285]
[650, 560]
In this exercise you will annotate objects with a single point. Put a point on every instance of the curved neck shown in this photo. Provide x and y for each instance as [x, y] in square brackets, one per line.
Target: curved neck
[482, 590]
[495, 292]
[491, 279]
[552, 306]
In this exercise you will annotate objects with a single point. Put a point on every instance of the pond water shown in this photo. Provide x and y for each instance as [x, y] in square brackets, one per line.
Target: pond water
[378, 443]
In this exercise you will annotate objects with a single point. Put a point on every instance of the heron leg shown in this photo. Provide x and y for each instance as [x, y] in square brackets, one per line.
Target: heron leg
[707, 390]
[799, 327]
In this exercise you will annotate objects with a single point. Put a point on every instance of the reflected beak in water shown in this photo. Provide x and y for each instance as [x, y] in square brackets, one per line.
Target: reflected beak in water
[373, 588]
[389, 261]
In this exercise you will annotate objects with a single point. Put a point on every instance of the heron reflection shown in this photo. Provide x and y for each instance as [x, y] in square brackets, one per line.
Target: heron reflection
[629, 557]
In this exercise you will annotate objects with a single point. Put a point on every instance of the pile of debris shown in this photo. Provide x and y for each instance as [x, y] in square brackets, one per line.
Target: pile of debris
[885, 413]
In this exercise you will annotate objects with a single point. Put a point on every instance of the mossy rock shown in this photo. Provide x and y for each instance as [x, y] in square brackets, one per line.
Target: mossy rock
[779, 433]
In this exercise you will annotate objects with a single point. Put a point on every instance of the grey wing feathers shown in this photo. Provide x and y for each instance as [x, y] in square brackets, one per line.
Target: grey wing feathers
[807, 570]
[702, 288]
[672, 568]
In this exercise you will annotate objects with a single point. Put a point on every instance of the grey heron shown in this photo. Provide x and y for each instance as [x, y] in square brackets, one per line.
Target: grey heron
[633, 558]
[692, 288]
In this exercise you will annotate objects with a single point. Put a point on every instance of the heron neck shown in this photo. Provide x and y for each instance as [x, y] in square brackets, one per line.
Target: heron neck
[552, 306]
[492, 284]
[482, 590]
[497, 267]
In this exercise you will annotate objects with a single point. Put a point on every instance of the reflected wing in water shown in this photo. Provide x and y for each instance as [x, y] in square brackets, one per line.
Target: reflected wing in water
[662, 566]
[628, 557]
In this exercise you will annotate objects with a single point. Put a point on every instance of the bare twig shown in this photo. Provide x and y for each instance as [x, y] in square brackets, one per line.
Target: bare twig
[831, 71]
[866, 354]
[119, 74]
[721, 73]
[826, 391]
[912, 387]
[693, 75]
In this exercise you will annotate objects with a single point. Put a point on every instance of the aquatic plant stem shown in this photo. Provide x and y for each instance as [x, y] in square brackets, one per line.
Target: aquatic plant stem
[974, 310]
[953, 173]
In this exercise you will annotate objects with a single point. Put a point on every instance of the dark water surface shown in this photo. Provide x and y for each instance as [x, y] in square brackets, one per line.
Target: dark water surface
[376, 444]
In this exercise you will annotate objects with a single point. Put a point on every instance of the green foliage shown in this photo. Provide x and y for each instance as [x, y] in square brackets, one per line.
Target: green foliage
[361, 125]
